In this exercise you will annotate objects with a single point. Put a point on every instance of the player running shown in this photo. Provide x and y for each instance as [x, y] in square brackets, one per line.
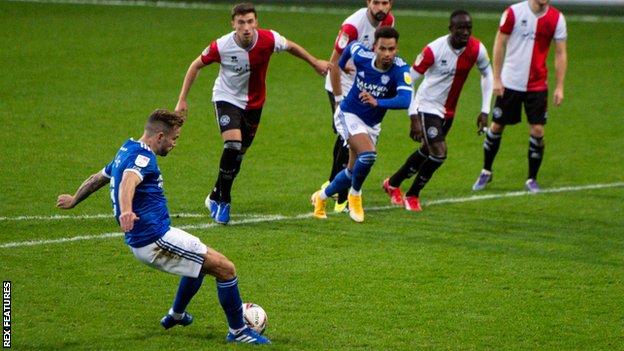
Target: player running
[140, 208]
[239, 93]
[382, 82]
[520, 51]
[360, 26]
[445, 63]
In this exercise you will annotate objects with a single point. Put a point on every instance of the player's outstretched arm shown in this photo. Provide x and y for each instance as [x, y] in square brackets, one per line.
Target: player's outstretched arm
[88, 187]
[500, 44]
[127, 187]
[189, 78]
[320, 66]
[561, 66]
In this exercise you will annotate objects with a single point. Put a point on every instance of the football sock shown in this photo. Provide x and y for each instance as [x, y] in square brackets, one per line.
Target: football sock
[187, 288]
[341, 158]
[362, 167]
[341, 182]
[228, 168]
[490, 148]
[409, 168]
[231, 302]
[426, 171]
[536, 153]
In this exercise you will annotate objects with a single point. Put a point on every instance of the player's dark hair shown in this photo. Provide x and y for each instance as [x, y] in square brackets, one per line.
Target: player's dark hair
[164, 121]
[243, 9]
[458, 13]
[387, 33]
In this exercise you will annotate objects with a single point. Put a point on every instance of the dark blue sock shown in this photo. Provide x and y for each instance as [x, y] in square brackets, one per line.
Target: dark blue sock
[341, 182]
[186, 290]
[362, 167]
[231, 302]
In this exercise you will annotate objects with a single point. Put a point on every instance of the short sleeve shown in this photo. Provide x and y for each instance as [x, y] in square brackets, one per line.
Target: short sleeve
[403, 78]
[281, 44]
[561, 31]
[108, 170]
[423, 61]
[142, 165]
[483, 59]
[347, 34]
[211, 54]
[507, 21]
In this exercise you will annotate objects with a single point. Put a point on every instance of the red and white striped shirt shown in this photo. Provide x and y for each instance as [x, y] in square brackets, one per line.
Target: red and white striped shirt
[445, 70]
[355, 27]
[242, 72]
[524, 68]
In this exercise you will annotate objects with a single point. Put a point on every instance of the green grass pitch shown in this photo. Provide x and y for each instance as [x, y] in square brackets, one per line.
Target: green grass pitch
[507, 273]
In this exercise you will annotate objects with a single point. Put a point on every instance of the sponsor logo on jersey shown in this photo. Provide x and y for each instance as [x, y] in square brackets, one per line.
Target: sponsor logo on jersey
[432, 132]
[407, 78]
[384, 79]
[141, 161]
[419, 59]
[361, 74]
[224, 120]
[343, 40]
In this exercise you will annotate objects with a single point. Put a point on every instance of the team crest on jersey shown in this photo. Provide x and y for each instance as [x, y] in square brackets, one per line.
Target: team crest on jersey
[224, 120]
[385, 79]
[343, 40]
[432, 132]
[141, 161]
[407, 78]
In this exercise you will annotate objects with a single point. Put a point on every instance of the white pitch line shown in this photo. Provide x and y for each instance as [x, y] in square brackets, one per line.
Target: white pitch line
[298, 9]
[110, 216]
[275, 218]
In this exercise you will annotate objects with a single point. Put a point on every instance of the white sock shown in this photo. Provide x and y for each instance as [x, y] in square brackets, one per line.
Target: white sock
[355, 192]
[176, 316]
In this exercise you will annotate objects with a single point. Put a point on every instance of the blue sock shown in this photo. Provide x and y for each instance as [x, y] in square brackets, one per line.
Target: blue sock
[186, 290]
[231, 302]
[362, 167]
[341, 181]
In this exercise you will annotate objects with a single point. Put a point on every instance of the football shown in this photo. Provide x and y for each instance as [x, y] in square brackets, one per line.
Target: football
[255, 317]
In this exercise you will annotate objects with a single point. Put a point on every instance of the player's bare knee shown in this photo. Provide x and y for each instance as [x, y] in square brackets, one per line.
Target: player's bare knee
[438, 149]
[536, 130]
[497, 128]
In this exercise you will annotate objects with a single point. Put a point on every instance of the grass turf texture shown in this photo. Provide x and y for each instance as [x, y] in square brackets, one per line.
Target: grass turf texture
[533, 272]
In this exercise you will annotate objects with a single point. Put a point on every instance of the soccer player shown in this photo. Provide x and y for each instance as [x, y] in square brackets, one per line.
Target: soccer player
[239, 93]
[382, 82]
[140, 208]
[520, 50]
[445, 63]
[360, 26]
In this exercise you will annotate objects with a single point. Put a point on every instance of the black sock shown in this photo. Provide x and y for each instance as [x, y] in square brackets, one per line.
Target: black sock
[341, 158]
[424, 174]
[410, 167]
[228, 168]
[490, 148]
[536, 154]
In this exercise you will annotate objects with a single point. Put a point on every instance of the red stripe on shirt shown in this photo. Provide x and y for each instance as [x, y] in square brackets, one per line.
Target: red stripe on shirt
[544, 33]
[259, 57]
[211, 54]
[465, 61]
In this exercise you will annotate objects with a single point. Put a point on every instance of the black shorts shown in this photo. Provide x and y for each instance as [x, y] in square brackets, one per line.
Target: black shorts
[435, 128]
[332, 104]
[507, 108]
[233, 117]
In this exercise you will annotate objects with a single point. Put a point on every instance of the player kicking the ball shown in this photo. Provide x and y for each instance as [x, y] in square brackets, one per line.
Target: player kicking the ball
[140, 208]
[445, 62]
[382, 82]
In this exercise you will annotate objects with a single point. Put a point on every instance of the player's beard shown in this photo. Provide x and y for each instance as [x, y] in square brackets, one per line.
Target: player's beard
[380, 16]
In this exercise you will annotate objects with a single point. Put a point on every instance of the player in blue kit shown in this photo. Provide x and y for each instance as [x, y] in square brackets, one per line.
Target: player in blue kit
[140, 208]
[382, 82]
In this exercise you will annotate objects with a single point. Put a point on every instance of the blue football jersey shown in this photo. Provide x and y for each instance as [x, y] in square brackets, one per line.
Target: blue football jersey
[149, 203]
[392, 88]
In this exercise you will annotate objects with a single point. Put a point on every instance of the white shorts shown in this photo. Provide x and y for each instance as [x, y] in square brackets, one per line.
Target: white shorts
[348, 124]
[177, 252]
